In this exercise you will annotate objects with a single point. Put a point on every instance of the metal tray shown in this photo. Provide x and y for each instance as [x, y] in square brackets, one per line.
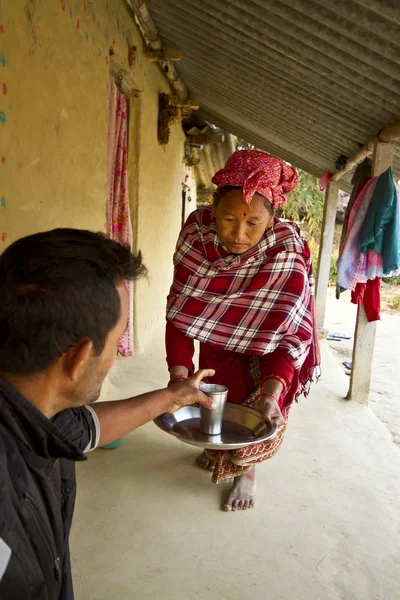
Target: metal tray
[242, 426]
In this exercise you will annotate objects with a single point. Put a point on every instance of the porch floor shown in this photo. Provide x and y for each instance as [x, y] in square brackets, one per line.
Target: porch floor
[148, 523]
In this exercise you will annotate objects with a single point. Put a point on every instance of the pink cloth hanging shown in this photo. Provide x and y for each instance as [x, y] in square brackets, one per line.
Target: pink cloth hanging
[119, 226]
[351, 263]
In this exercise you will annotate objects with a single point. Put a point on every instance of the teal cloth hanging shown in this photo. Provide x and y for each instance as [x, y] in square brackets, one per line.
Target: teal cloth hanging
[381, 226]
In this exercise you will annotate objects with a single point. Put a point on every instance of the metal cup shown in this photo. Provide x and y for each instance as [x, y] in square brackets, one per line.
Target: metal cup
[211, 420]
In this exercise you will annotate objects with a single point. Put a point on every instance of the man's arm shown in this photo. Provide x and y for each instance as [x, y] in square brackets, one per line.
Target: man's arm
[118, 418]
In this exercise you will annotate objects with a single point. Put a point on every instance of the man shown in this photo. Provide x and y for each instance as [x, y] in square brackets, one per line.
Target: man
[63, 307]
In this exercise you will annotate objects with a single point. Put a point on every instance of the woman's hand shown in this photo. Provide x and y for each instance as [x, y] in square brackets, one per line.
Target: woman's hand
[187, 393]
[270, 411]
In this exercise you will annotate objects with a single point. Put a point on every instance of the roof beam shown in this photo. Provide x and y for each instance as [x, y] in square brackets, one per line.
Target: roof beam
[386, 135]
[212, 138]
[150, 35]
[162, 55]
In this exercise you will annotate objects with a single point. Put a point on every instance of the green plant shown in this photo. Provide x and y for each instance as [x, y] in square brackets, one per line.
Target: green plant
[392, 280]
[305, 204]
[394, 302]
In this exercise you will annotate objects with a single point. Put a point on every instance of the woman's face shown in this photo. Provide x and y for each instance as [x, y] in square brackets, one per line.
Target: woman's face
[239, 226]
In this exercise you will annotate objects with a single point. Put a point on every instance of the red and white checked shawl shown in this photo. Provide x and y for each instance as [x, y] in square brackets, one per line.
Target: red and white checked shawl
[252, 303]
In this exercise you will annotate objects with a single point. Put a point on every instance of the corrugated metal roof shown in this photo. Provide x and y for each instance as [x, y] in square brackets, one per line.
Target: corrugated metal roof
[307, 80]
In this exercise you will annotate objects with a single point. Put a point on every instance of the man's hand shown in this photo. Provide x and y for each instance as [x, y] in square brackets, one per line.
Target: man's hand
[270, 411]
[119, 418]
[187, 393]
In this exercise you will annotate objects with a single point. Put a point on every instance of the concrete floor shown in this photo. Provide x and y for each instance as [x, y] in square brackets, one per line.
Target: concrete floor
[385, 381]
[327, 522]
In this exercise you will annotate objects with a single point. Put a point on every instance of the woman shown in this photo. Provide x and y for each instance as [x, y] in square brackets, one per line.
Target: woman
[243, 287]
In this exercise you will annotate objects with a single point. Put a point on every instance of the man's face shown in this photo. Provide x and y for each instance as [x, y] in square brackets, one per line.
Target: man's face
[87, 387]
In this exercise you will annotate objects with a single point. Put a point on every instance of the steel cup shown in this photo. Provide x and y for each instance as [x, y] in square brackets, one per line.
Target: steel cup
[211, 420]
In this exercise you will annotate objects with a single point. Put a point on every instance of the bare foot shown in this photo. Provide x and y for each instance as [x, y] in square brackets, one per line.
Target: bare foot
[204, 462]
[243, 493]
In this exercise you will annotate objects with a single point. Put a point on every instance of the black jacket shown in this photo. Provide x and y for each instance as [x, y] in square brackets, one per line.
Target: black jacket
[37, 495]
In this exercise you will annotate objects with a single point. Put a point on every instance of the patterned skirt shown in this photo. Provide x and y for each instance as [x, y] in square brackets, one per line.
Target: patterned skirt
[233, 463]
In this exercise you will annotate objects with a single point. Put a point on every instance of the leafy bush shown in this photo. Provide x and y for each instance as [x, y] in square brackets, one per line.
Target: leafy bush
[395, 302]
[306, 204]
[392, 280]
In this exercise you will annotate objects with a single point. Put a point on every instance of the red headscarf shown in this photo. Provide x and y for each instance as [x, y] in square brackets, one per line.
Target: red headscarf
[260, 172]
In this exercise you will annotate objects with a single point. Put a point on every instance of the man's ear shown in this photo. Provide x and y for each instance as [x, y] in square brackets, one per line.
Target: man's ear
[77, 358]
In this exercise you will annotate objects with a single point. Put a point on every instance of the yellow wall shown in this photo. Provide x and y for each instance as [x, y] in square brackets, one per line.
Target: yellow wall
[53, 135]
[159, 216]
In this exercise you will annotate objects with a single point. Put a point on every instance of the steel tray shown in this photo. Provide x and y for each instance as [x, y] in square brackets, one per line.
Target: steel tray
[242, 426]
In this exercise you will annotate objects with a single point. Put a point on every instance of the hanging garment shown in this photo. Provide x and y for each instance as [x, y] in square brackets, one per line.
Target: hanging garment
[369, 295]
[371, 264]
[359, 179]
[119, 226]
[349, 265]
[380, 232]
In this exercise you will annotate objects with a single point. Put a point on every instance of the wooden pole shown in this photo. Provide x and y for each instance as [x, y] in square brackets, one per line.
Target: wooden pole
[205, 193]
[123, 76]
[388, 134]
[325, 250]
[210, 138]
[189, 104]
[230, 141]
[364, 336]
[353, 161]
[150, 34]
[162, 55]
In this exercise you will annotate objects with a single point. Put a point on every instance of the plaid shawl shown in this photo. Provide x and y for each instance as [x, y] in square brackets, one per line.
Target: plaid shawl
[252, 303]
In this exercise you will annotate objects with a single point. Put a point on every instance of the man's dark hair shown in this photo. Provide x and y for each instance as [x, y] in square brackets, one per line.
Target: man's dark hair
[219, 194]
[56, 288]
